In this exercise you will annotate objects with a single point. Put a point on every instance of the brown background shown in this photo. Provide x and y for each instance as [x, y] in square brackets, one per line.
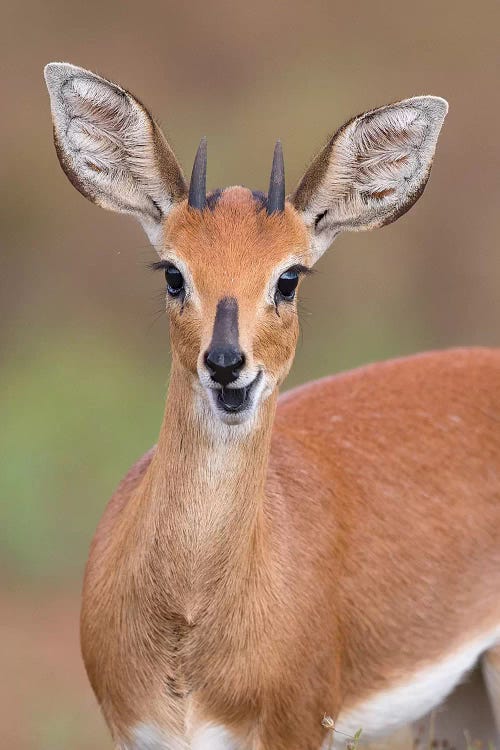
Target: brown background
[84, 346]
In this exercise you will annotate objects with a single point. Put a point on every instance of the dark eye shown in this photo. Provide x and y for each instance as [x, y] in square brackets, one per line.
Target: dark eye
[175, 280]
[287, 284]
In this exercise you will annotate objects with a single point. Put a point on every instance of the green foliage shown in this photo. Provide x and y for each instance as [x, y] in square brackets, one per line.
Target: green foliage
[75, 413]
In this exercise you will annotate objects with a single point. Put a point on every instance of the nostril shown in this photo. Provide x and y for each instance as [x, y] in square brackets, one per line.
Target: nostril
[224, 364]
[224, 359]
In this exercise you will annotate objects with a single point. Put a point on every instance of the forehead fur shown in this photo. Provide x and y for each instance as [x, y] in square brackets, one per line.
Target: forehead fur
[237, 233]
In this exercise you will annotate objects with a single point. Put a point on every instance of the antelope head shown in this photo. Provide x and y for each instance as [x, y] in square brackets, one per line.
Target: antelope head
[233, 259]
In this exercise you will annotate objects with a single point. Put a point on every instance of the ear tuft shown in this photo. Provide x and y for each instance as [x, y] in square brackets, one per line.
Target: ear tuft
[372, 170]
[110, 147]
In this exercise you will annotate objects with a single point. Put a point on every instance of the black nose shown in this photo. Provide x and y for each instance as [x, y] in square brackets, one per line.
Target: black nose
[224, 365]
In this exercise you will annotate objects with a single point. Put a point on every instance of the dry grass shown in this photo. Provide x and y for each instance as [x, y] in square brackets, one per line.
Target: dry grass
[425, 738]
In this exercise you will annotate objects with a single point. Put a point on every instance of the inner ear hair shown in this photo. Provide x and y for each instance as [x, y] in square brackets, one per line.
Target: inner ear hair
[372, 170]
[110, 147]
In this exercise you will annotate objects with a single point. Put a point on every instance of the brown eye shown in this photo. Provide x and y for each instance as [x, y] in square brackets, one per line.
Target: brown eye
[175, 281]
[287, 284]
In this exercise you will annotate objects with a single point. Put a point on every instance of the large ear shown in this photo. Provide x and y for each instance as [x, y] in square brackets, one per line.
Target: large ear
[110, 147]
[371, 171]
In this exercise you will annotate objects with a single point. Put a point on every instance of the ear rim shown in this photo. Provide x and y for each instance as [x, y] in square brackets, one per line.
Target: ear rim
[57, 75]
[314, 176]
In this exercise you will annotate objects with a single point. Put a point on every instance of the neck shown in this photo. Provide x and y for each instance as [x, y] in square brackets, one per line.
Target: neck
[204, 491]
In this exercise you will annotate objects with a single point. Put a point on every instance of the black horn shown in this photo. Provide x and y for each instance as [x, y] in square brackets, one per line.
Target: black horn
[198, 185]
[276, 195]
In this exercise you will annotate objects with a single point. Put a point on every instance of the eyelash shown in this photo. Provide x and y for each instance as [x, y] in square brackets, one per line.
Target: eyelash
[298, 268]
[164, 265]
[160, 265]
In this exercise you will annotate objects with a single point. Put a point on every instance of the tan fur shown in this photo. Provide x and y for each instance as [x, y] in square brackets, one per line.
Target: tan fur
[332, 544]
[269, 580]
[379, 524]
[230, 252]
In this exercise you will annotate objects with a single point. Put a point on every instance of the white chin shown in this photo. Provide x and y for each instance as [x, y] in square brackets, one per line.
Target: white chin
[237, 405]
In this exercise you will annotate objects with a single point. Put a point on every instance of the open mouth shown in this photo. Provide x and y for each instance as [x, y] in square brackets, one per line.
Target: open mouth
[234, 400]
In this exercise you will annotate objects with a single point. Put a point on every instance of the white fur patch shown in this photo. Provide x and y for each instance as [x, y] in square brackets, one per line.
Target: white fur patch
[148, 737]
[206, 737]
[213, 737]
[412, 699]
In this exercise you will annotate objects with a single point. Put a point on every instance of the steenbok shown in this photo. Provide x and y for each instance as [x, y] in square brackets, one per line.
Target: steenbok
[335, 550]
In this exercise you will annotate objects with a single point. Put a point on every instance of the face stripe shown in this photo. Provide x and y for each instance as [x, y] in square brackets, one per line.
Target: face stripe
[225, 334]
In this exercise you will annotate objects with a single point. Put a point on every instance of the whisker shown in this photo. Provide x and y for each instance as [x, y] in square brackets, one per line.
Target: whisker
[160, 309]
[156, 317]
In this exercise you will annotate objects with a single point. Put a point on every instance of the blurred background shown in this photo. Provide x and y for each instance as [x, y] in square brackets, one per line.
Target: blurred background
[83, 341]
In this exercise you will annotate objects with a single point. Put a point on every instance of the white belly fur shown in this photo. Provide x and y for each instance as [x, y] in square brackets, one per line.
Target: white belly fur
[410, 700]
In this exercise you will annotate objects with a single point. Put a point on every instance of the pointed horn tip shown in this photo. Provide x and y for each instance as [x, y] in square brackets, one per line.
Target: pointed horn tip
[197, 189]
[201, 151]
[278, 168]
[276, 194]
[278, 149]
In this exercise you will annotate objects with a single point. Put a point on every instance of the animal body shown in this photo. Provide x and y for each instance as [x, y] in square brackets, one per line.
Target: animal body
[336, 550]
